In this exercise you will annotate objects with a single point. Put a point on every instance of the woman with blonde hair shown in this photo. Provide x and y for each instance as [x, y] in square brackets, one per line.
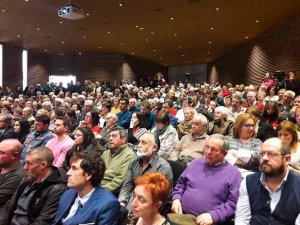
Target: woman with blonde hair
[287, 131]
[243, 147]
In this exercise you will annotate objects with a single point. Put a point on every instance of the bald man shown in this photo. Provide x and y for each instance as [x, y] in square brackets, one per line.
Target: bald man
[11, 169]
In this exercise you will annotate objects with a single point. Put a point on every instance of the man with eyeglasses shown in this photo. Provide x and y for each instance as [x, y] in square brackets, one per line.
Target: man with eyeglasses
[270, 196]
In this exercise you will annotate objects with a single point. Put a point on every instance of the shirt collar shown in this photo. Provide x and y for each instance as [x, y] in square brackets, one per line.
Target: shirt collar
[85, 198]
[264, 181]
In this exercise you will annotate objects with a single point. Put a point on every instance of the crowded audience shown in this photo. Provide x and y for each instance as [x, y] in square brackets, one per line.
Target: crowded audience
[114, 152]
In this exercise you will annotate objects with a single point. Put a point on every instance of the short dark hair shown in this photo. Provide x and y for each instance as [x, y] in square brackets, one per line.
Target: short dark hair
[43, 118]
[92, 164]
[122, 132]
[162, 117]
[66, 122]
[126, 100]
[42, 154]
[71, 113]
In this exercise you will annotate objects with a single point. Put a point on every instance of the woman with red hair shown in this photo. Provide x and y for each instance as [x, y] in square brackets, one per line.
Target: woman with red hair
[151, 193]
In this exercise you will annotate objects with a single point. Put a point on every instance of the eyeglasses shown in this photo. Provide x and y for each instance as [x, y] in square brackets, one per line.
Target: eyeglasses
[270, 155]
[249, 125]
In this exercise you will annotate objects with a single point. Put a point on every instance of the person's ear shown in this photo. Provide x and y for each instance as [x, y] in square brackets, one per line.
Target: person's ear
[287, 159]
[158, 205]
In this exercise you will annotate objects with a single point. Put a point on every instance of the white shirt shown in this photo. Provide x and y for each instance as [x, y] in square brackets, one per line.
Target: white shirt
[243, 211]
[74, 207]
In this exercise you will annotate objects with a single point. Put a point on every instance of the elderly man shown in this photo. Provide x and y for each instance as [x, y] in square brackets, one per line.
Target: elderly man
[251, 101]
[36, 199]
[208, 189]
[191, 146]
[132, 107]
[270, 196]
[6, 130]
[236, 107]
[11, 172]
[86, 202]
[185, 126]
[221, 124]
[111, 121]
[117, 160]
[27, 115]
[287, 104]
[147, 161]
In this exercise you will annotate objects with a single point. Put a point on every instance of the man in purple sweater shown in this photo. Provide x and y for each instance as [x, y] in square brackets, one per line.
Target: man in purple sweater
[208, 189]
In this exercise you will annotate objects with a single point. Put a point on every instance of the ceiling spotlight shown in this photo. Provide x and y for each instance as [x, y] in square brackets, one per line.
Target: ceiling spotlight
[18, 35]
[152, 32]
[211, 28]
[137, 26]
[121, 44]
[120, 4]
[175, 35]
[217, 9]
[132, 53]
[3, 10]
[209, 42]
[87, 14]
[246, 37]
[108, 32]
[45, 50]
[172, 18]
[62, 42]
[99, 47]
[60, 22]
[257, 21]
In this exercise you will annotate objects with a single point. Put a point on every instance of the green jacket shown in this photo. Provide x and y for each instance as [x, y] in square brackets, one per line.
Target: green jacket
[116, 168]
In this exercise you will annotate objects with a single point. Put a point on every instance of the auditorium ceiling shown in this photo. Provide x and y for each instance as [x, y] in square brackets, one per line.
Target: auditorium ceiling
[173, 32]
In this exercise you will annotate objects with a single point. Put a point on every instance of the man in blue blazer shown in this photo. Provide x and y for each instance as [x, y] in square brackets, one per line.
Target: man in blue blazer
[86, 202]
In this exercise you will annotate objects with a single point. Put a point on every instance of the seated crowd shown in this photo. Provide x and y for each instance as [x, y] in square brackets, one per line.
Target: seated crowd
[154, 154]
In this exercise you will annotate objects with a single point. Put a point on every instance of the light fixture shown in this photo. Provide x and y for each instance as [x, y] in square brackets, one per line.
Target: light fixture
[37, 28]
[120, 4]
[108, 32]
[257, 21]
[209, 42]
[211, 28]
[172, 18]
[60, 22]
[246, 37]
[217, 9]
[62, 42]
[18, 35]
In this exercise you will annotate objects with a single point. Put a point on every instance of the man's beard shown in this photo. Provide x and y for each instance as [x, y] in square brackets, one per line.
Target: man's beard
[274, 172]
[141, 154]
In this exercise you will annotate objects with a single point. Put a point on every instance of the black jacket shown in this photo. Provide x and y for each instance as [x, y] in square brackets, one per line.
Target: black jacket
[43, 204]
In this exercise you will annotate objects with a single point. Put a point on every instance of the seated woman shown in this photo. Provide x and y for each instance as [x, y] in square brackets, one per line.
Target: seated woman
[220, 124]
[22, 129]
[91, 121]
[151, 193]
[244, 149]
[106, 107]
[166, 133]
[271, 114]
[84, 141]
[272, 97]
[287, 131]
[263, 131]
[136, 129]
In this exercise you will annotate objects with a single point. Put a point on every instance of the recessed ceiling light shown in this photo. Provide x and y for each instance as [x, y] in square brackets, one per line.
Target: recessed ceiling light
[62, 42]
[208, 53]
[179, 46]
[121, 44]
[84, 37]
[160, 58]
[79, 53]
[108, 32]
[137, 26]
[26, 0]
[154, 50]
[175, 35]
[18, 35]
[99, 47]
[217, 9]
[87, 14]
[172, 18]
[3, 10]
[152, 32]
[211, 28]
[257, 21]
[182, 55]
[60, 22]
[132, 53]
[45, 50]
[209, 42]
[146, 39]
[246, 37]
[37, 28]
[120, 4]
[141, 28]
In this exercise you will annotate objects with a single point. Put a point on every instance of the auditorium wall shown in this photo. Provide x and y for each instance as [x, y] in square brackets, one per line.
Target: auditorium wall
[276, 49]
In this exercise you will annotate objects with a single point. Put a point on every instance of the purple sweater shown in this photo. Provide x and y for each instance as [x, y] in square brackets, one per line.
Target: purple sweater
[202, 188]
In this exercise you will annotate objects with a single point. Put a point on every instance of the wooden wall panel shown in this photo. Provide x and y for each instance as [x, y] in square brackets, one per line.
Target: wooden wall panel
[12, 66]
[277, 49]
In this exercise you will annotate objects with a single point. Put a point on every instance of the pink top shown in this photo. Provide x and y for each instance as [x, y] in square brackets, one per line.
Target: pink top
[60, 149]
